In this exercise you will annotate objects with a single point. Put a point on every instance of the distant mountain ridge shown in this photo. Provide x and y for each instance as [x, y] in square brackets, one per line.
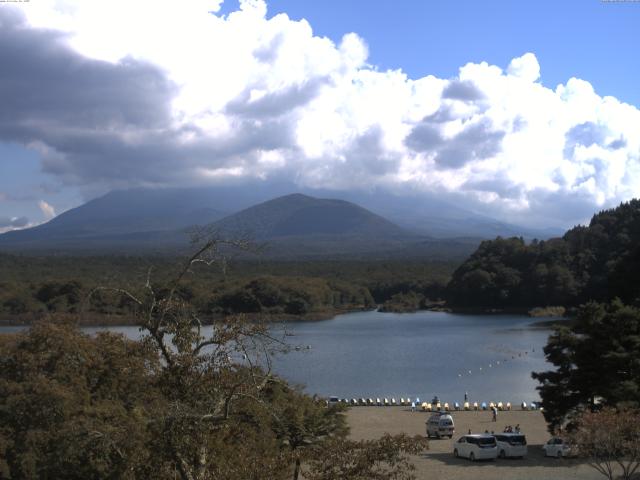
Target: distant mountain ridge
[158, 220]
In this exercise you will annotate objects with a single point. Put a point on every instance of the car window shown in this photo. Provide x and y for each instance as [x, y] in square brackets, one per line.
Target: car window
[446, 422]
[518, 440]
[462, 440]
[487, 441]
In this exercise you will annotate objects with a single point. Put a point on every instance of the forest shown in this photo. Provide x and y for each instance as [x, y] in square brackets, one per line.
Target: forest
[35, 286]
[597, 262]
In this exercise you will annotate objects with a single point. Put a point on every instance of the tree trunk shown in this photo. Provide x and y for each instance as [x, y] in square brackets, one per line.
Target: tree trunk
[296, 470]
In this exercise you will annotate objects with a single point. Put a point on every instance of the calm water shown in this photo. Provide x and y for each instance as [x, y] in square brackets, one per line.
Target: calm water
[373, 354]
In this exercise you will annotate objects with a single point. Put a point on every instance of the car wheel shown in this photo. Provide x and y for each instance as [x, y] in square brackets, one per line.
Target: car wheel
[472, 457]
[503, 454]
[455, 452]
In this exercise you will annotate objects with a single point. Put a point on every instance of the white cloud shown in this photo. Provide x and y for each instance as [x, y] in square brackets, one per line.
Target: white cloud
[261, 97]
[47, 210]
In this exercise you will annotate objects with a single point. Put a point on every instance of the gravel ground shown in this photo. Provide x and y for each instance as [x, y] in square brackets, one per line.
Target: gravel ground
[438, 462]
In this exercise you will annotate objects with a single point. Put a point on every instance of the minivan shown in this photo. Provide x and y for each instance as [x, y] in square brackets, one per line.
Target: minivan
[511, 445]
[440, 424]
[476, 447]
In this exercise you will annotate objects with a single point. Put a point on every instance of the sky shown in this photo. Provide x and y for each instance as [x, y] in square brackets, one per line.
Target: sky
[528, 112]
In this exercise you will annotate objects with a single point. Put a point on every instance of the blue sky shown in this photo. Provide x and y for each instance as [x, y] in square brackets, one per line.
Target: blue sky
[590, 39]
[260, 98]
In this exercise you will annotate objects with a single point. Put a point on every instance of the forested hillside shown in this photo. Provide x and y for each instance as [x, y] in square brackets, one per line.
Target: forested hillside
[597, 262]
[31, 287]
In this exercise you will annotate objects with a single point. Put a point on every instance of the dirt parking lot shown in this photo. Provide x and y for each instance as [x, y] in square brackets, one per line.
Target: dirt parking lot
[438, 462]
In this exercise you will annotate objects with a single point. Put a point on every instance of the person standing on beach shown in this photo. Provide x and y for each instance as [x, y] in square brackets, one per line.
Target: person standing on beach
[494, 411]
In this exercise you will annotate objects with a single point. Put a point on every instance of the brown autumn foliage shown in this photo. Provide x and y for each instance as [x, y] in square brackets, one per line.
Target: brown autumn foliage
[185, 401]
[610, 440]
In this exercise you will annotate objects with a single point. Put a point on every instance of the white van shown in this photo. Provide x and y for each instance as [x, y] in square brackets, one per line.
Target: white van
[511, 445]
[440, 424]
[476, 447]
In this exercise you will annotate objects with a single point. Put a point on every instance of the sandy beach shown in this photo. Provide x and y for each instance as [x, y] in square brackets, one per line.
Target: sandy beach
[438, 462]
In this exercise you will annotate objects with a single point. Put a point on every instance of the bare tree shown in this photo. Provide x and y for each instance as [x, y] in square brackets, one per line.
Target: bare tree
[609, 439]
[205, 368]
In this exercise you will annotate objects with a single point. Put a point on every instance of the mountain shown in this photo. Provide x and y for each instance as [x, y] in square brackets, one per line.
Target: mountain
[156, 220]
[302, 215]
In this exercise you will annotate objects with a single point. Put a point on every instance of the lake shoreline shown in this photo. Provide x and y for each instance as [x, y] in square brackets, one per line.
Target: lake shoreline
[97, 320]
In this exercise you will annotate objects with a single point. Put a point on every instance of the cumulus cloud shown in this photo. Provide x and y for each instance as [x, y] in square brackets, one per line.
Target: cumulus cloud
[47, 210]
[202, 97]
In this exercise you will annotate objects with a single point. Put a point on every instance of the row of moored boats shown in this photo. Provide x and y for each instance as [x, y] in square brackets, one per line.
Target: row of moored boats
[429, 406]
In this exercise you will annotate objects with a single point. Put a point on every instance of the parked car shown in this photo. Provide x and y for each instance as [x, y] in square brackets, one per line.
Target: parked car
[333, 401]
[511, 445]
[557, 447]
[476, 447]
[439, 425]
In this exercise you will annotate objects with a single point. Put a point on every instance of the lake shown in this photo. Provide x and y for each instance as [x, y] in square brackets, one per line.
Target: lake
[375, 354]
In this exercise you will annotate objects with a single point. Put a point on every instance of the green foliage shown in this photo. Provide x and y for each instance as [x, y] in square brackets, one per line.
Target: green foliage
[32, 286]
[598, 262]
[72, 406]
[597, 360]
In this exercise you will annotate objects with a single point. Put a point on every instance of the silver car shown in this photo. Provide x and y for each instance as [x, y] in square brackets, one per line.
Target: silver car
[557, 447]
